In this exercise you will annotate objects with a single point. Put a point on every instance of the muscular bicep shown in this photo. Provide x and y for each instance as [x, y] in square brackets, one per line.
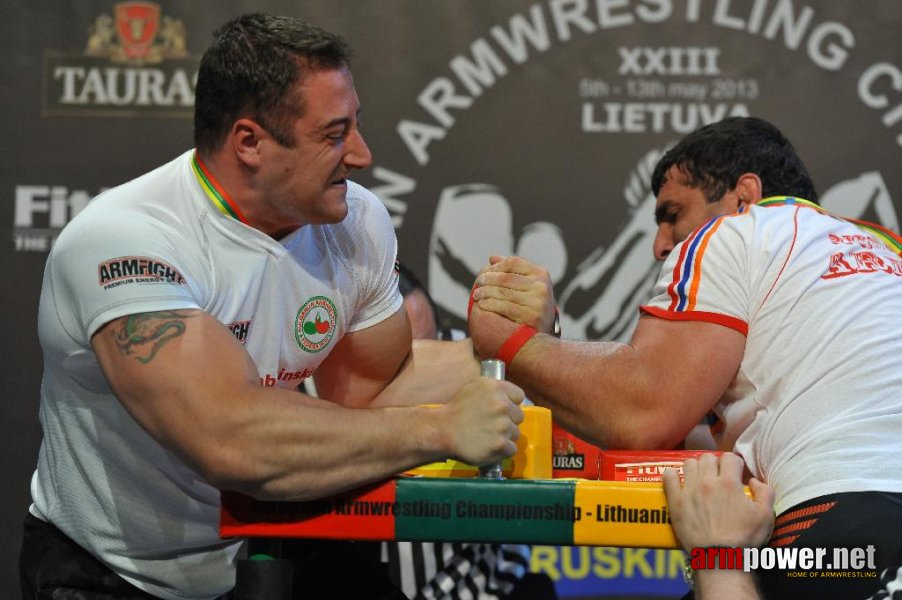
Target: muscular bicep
[364, 362]
[176, 372]
[692, 363]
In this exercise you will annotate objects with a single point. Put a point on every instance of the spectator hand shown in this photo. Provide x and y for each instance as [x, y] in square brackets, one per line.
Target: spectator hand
[482, 421]
[711, 509]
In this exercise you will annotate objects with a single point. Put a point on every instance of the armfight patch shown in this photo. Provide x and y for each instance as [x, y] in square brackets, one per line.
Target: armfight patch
[136, 269]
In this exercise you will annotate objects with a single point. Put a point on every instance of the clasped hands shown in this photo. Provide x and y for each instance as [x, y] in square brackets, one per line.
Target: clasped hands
[509, 292]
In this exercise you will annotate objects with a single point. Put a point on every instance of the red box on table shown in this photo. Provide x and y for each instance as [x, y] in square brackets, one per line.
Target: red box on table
[575, 457]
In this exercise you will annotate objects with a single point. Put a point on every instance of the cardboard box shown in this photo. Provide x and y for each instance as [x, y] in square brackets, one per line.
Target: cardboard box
[573, 457]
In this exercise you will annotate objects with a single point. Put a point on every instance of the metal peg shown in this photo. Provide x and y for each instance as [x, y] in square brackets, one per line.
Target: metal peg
[493, 369]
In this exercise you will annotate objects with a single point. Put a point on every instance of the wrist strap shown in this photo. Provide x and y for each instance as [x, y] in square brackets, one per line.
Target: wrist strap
[512, 345]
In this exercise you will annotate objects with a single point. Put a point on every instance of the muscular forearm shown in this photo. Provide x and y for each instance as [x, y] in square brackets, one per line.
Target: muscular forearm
[601, 391]
[432, 373]
[289, 446]
[198, 394]
[293, 447]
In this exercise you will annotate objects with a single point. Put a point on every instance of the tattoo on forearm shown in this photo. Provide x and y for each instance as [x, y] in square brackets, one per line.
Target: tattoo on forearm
[143, 335]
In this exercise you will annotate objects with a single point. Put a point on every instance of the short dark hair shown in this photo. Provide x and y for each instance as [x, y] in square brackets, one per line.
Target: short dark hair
[714, 157]
[250, 70]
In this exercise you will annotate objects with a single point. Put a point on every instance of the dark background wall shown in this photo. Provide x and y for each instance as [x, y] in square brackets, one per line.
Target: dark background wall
[503, 126]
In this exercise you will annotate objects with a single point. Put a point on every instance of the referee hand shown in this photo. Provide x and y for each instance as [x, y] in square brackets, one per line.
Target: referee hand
[711, 508]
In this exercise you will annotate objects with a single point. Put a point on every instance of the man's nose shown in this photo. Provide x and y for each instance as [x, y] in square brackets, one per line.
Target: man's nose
[663, 241]
[358, 155]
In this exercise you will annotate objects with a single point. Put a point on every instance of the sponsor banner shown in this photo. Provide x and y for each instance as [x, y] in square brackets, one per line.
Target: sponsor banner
[367, 513]
[530, 511]
[41, 211]
[585, 571]
[86, 86]
[588, 517]
[516, 511]
[135, 63]
[647, 465]
[572, 456]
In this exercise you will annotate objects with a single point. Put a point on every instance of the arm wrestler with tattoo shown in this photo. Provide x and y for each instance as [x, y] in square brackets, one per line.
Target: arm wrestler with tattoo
[181, 310]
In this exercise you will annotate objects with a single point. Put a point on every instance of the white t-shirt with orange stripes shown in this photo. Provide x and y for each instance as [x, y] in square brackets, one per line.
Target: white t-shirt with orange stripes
[816, 406]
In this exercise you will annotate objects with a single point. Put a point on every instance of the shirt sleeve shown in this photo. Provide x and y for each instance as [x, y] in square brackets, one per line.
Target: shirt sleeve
[705, 277]
[102, 268]
[374, 259]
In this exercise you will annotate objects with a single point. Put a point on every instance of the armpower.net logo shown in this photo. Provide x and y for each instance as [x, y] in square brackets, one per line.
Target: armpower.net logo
[805, 563]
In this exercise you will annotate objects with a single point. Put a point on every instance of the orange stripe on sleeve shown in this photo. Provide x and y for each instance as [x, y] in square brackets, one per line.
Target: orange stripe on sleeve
[697, 271]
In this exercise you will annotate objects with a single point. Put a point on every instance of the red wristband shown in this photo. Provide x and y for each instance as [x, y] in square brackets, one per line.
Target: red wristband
[512, 345]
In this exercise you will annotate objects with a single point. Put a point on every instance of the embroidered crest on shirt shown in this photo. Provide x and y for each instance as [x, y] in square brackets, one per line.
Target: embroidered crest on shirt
[315, 324]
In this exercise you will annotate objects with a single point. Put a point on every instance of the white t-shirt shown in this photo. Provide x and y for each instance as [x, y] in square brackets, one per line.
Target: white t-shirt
[816, 407]
[159, 243]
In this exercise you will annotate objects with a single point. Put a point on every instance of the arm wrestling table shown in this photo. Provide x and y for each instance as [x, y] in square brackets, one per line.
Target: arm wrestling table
[446, 502]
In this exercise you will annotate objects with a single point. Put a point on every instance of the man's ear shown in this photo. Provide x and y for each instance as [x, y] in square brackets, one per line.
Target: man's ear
[748, 189]
[245, 138]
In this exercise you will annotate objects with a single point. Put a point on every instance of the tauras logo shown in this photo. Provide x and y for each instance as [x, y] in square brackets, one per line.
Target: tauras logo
[568, 462]
[135, 63]
[137, 269]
